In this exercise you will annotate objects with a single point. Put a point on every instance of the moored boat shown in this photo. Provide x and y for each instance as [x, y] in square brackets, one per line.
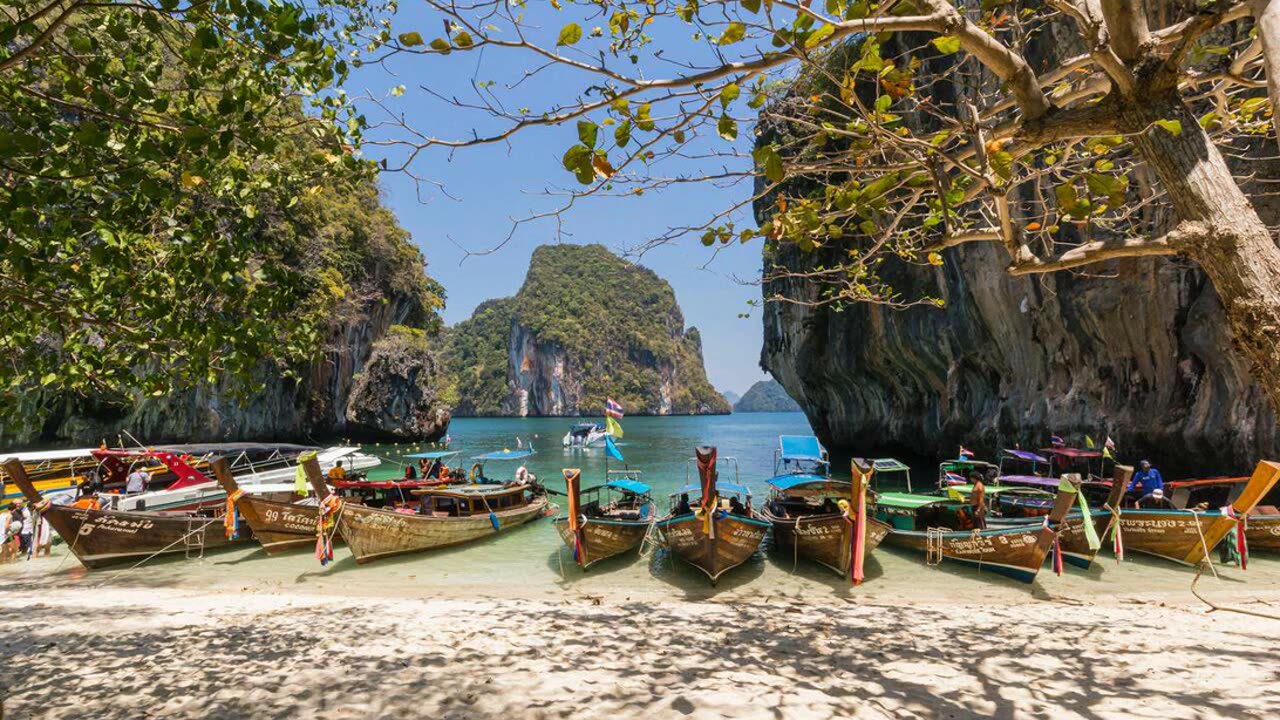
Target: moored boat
[1188, 535]
[1262, 524]
[101, 538]
[445, 516]
[723, 532]
[806, 513]
[942, 528]
[604, 520]
[280, 524]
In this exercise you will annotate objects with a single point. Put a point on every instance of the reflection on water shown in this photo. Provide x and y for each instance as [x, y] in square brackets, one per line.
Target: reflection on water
[530, 561]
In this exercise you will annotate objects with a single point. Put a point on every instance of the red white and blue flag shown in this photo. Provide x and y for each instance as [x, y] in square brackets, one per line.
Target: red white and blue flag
[1056, 441]
[612, 409]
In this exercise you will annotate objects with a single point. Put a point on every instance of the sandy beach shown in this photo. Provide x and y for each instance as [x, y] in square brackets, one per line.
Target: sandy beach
[124, 645]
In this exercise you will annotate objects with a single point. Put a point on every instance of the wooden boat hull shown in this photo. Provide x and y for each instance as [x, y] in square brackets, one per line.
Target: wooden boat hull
[824, 539]
[1174, 534]
[101, 538]
[1017, 552]
[736, 539]
[372, 533]
[1263, 533]
[1074, 541]
[279, 526]
[603, 538]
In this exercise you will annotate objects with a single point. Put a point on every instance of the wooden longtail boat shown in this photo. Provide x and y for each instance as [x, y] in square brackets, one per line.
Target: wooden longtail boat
[942, 528]
[1262, 526]
[1077, 549]
[597, 525]
[449, 515]
[279, 525]
[1187, 536]
[100, 538]
[713, 538]
[805, 513]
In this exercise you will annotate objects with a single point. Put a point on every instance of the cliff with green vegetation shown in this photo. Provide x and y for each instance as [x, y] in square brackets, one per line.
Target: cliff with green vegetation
[766, 396]
[585, 326]
[368, 373]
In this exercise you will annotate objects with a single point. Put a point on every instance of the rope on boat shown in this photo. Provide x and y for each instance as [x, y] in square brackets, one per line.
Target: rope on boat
[148, 558]
[1207, 560]
[1213, 607]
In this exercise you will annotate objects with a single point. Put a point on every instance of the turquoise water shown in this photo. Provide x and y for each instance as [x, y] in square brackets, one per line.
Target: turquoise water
[531, 561]
[659, 447]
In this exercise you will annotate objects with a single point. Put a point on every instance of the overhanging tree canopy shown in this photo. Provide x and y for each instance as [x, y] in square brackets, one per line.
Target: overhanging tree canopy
[1113, 152]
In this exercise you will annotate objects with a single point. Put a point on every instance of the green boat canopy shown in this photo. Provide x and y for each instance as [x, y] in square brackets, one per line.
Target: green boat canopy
[909, 500]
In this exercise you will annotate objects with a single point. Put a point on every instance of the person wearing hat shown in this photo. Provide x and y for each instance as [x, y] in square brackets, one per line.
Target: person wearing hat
[1149, 479]
[1155, 501]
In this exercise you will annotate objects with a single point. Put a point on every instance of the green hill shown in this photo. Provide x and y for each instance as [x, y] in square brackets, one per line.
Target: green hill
[766, 396]
[586, 325]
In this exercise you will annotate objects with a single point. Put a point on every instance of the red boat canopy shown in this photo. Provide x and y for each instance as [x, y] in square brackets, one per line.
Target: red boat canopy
[178, 465]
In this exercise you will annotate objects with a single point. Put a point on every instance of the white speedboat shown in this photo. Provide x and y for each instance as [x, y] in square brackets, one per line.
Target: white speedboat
[585, 435]
[253, 472]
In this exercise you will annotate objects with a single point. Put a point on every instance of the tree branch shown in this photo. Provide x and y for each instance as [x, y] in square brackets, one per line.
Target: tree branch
[40, 39]
[1126, 26]
[1102, 250]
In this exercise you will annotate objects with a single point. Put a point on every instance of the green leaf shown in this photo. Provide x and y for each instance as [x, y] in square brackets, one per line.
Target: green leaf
[946, 44]
[1002, 163]
[410, 39]
[569, 34]
[49, 379]
[817, 37]
[735, 32]
[587, 132]
[883, 102]
[768, 159]
[678, 136]
[727, 128]
[643, 121]
[463, 40]
[751, 6]
[441, 45]
[1173, 126]
[728, 94]
[622, 133]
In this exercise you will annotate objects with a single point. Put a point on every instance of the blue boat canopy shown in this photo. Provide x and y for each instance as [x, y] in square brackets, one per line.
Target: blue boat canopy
[786, 482]
[506, 454]
[434, 454]
[1025, 455]
[801, 447]
[631, 486]
[724, 486]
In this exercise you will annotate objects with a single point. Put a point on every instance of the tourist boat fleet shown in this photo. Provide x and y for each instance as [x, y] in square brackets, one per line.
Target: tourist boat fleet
[1010, 518]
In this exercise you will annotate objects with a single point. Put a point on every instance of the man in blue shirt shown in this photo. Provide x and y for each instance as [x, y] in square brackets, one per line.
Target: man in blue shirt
[1149, 478]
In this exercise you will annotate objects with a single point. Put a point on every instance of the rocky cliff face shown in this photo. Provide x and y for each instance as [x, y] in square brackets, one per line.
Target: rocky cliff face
[368, 382]
[1135, 349]
[586, 325]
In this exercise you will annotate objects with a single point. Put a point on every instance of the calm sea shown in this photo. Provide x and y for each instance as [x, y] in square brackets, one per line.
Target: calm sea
[531, 561]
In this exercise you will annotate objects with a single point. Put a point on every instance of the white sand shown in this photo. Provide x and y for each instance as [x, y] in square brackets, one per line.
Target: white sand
[79, 648]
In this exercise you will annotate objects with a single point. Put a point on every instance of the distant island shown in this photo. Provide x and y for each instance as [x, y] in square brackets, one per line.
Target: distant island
[585, 326]
[766, 396]
[731, 396]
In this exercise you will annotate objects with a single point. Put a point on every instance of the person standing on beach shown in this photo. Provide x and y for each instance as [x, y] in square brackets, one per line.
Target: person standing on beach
[136, 482]
[8, 535]
[1149, 479]
[25, 528]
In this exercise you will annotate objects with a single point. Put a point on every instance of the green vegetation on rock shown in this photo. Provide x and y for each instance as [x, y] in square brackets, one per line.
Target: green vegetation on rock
[766, 396]
[586, 325]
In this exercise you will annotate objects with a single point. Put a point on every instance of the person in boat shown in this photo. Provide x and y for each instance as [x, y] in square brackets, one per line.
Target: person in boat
[136, 482]
[410, 472]
[978, 500]
[1147, 478]
[337, 472]
[736, 507]
[1155, 501]
[682, 507]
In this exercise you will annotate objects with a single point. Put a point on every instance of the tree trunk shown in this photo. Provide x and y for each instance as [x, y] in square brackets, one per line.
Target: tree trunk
[1266, 18]
[1235, 249]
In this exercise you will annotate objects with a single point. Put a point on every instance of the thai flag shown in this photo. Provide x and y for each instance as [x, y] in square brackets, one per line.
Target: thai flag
[954, 478]
[612, 409]
[965, 453]
[1056, 441]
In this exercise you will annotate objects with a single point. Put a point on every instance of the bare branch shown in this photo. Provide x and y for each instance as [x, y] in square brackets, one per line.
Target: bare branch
[1103, 250]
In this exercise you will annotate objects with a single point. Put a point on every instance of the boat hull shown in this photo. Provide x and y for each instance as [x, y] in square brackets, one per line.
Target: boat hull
[824, 539]
[736, 540]
[1174, 534]
[603, 538]
[101, 538]
[1263, 533]
[279, 526]
[1016, 552]
[1074, 541]
[373, 534]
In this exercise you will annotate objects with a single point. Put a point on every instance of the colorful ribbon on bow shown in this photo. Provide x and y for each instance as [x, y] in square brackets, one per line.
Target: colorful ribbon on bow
[324, 524]
[856, 518]
[231, 518]
[1240, 530]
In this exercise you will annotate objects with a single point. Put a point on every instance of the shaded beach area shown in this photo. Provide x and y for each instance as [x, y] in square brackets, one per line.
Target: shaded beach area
[194, 639]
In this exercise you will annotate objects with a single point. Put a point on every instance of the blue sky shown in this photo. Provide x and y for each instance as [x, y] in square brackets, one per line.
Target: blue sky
[484, 187]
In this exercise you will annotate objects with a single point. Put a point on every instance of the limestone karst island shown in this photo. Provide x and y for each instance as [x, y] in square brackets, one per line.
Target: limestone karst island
[858, 359]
